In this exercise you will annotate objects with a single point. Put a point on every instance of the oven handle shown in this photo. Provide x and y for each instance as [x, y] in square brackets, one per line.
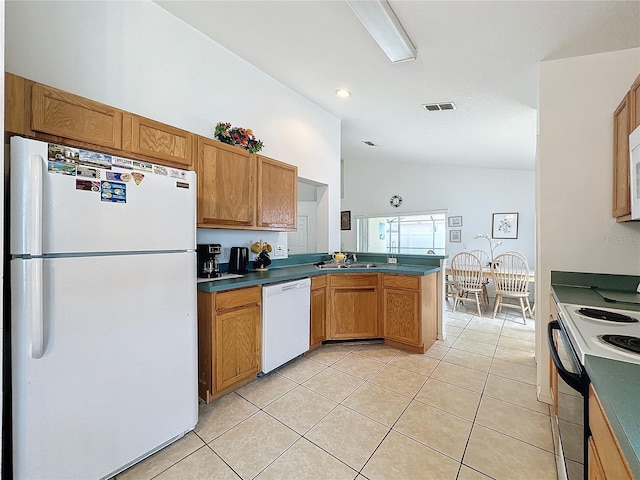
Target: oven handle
[574, 380]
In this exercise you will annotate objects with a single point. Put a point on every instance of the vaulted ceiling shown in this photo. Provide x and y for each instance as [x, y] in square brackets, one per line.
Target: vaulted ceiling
[482, 55]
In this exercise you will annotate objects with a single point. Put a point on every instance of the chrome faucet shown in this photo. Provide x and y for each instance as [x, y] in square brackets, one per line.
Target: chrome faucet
[354, 259]
[391, 256]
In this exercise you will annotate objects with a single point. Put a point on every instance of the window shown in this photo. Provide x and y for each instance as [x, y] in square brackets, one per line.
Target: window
[417, 234]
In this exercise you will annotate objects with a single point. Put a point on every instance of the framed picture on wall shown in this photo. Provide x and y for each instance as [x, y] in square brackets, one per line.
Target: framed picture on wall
[345, 220]
[455, 236]
[504, 225]
[455, 221]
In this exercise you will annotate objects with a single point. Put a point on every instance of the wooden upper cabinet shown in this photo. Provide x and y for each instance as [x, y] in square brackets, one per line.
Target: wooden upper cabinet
[154, 139]
[226, 185]
[52, 115]
[277, 195]
[63, 114]
[634, 103]
[17, 105]
[621, 189]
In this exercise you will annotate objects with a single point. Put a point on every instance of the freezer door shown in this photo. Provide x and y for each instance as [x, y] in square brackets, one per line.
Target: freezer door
[66, 200]
[118, 372]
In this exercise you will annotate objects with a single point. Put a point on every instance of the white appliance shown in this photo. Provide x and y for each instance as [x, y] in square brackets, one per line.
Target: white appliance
[286, 322]
[586, 333]
[634, 172]
[576, 332]
[103, 310]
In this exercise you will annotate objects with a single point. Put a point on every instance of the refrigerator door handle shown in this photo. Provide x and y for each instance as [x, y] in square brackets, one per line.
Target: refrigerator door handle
[34, 219]
[35, 305]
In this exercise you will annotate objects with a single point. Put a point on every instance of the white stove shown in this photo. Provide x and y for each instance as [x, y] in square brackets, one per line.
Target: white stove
[592, 336]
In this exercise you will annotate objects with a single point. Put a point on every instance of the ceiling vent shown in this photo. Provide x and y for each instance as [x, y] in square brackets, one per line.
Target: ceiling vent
[436, 107]
[369, 142]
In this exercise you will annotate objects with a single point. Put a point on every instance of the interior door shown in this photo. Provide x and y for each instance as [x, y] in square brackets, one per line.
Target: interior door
[299, 240]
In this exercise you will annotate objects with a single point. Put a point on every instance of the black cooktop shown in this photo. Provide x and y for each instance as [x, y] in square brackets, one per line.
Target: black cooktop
[606, 315]
[624, 342]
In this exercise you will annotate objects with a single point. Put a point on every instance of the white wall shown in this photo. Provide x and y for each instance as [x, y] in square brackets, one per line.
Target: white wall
[473, 193]
[574, 178]
[136, 56]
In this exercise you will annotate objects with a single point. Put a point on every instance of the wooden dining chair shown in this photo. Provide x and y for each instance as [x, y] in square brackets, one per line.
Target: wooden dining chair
[449, 287]
[484, 261]
[511, 280]
[467, 275]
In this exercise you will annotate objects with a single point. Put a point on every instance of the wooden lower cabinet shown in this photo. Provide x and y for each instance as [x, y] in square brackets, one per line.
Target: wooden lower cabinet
[353, 306]
[409, 311]
[229, 340]
[596, 471]
[403, 309]
[344, 306]
[606, 460]
[318, 311]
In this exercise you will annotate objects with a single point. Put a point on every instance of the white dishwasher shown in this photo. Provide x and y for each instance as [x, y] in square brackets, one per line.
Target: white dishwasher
[285, 322]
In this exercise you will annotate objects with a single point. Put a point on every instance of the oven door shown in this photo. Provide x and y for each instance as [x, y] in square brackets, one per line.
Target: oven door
[571, 406]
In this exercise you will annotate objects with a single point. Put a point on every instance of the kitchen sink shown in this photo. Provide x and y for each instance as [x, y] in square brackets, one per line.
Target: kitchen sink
[332, 266]
[339, 266]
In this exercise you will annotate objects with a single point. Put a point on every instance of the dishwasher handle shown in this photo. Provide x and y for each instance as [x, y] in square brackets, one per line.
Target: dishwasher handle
[283, 287]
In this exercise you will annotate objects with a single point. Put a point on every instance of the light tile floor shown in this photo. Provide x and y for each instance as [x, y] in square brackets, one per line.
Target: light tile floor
[465, 410]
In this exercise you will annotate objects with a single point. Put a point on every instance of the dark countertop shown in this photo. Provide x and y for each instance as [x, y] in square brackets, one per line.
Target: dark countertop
[294, 272]
[617, 383]
[587, 296]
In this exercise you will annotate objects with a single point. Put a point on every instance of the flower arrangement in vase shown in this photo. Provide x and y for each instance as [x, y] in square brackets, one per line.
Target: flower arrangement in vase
[491, 246]
[238, 136]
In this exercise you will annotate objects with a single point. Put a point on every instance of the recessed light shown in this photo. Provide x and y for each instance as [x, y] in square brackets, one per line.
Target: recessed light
[343, 92]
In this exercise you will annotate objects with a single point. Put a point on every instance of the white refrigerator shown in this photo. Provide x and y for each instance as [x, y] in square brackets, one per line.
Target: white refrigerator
[103, 310]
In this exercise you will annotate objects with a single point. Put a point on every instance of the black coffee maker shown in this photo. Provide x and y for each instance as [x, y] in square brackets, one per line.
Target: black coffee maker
[208, 265]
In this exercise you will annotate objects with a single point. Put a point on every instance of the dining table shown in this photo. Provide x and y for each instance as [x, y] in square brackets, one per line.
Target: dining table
[488, 273]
